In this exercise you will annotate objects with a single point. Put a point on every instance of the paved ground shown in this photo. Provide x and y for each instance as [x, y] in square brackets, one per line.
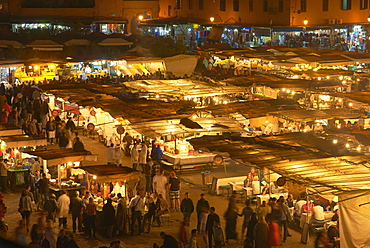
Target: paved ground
[191, 182]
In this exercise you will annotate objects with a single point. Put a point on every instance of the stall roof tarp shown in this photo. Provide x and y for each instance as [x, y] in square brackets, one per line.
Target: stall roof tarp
[23, 140]
[361, 96]
[253, 109]
[61, 156]
[168, 127]
[182, 88]
[115, 42]
[181, 65]
[312, 115]
[7, 130]
[304, 165]
[112, 100]
[107, 173]
[11, 43]
[77, 42]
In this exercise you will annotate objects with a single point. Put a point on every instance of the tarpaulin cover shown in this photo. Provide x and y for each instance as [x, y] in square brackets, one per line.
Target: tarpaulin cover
[216, 33]
[354, 219]
[180, 65]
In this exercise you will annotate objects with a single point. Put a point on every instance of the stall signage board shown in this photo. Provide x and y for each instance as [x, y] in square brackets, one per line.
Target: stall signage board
[120, 130]
[90, 127]
[55, 112]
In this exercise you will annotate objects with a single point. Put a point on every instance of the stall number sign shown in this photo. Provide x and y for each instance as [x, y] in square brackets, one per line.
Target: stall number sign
[55, 113]
[90, 127]
[120, 130]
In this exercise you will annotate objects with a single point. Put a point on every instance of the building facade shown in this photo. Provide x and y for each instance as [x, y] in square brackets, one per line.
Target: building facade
[109, 16]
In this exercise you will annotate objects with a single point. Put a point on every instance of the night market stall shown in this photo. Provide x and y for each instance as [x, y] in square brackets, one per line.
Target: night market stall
[58, 164]
[20, 164]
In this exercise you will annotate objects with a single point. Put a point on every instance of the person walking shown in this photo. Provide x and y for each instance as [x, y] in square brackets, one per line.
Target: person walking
[121, 215]
[108, 215]
[4, 175]
[148, 177]
[143, 155]
[63, 208]
[136, 206]
[250, 231]
[63, 141]
[160, 183]
[85, 202]
[218, 234]
[211, 219]
[285, 218]
[50, 129]
[174, 186]
[134, 157]
[202, 214]
[110, 154]
[157, 154]
[231, 216]
[261, 233]
[25, 207]
[247, 213]
[128, 140]
[187, 207]
[43, 186]
[51, 207]
[76, 210]
[90, 218]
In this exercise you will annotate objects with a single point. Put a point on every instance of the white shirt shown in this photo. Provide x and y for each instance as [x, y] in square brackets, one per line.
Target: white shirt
[159, 182]
[138, 205]
[318, 213]
[299, 206]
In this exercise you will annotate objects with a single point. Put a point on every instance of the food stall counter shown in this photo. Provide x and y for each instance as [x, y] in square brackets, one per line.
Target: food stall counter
[178, 159]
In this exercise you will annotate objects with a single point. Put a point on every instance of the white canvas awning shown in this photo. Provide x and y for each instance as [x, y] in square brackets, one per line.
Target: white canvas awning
[8, 130]
[62, 156]
[16, 141]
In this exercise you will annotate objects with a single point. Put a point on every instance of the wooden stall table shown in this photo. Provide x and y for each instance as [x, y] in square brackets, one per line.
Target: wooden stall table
[188, 161]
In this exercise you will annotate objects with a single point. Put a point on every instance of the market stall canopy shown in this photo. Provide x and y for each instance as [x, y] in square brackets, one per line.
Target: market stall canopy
[181, 65]
[173, 127]
[16, 141]
[114, 100]
[312, 115]
[303, 165]
[253, 109]
[45, 45]
[77, 42]
[7, 130]
[11, 43]
[360, 96]
[110, 173]
[61, 156]
[182, 88]
[115, 42]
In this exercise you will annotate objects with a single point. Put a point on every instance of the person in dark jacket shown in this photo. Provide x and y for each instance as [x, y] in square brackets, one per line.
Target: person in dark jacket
[157, 154]
[62, 241]
[71, 242]
[63, 141]
[169, 241]
[211, 219]
[70, 125]
[76, 209]
[50, 128]
[109, 216]
[78, 146]
[187, 207]
[51, 207]
[43, 186]
[202, 207]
